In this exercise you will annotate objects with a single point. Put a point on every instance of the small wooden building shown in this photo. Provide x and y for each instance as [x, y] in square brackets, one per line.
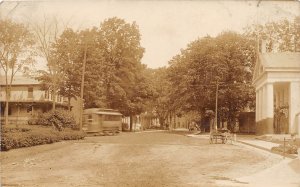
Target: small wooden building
[98, 120]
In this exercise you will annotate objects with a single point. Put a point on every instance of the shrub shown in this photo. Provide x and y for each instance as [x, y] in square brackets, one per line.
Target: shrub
[12, 138]
[289, 149]
[58, 118]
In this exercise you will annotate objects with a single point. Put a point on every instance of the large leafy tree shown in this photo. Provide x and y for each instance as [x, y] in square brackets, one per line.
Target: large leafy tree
[114, 76]
[123, 79]
[227, 61]
[67, 48]
[280, 36]
[15, 53]
[159, 105]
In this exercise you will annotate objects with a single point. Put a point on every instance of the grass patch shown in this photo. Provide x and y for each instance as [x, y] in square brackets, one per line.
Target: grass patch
[13, 137]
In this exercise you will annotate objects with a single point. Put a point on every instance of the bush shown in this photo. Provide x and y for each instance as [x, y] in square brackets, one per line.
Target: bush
[58, 118]
[289, 149]
[12, 138]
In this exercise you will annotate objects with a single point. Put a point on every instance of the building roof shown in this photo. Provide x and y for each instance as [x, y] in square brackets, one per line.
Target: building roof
[280, 60]
[102, 111]
[283, 61]
[20, 80]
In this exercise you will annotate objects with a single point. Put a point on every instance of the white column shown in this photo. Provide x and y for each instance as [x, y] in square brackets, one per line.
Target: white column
[260, 104]
[269, 101]
[264, 98]
[257, 106]
[294, 106]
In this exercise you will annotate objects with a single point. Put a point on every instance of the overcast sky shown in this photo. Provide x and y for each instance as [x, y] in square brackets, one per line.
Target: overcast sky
[165, 26]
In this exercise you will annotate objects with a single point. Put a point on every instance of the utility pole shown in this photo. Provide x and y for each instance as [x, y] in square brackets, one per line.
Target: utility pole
[216, 113]
[82, 87]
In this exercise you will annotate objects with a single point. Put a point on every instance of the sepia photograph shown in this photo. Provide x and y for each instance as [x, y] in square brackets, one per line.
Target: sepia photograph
[150, 93]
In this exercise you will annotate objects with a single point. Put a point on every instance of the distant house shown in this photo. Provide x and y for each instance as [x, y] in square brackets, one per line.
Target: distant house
[277, 84]
[27, 99]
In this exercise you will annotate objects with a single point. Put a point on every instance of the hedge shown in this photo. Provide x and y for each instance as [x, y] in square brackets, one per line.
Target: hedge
[12, 138]
[58, 118]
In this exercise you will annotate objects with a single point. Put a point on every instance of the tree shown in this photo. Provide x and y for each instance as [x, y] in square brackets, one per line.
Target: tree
[67, 48]
[94, 88]
[16, 54]
[280, 36]
[159, 103]
[46, 35]
[226, 60]
[122, 69]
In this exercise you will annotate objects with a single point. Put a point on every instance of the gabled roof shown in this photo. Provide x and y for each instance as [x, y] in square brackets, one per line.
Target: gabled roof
[280, 60]
[20, 80]
[276, 61]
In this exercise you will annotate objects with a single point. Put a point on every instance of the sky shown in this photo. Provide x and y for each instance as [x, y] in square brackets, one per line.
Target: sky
[165, 26]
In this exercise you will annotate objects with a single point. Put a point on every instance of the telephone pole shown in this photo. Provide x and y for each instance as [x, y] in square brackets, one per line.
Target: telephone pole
[216, 113]
[82, 87]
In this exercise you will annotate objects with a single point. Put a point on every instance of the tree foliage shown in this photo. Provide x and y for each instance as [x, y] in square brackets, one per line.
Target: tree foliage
[122, 70]
[159, 105]
[227, 60]
[46, 35]
[114, 75]
[279, 36]
[16, 53]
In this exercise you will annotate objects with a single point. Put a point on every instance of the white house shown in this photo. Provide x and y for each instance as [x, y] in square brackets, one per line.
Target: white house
[277, 84]
[27, 98]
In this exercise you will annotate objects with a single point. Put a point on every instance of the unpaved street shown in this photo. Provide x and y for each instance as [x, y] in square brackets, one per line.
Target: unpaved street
[131, 159]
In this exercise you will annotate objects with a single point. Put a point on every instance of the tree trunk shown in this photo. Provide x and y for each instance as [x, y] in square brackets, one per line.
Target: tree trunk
[6, 110]
[53, 102]
[131, 122]
[7, 94]
[54, 98]
[69, 104]
[108, 95]
[211, 124]
[161, 122]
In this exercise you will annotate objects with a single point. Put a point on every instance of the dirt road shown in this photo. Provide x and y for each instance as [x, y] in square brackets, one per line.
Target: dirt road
[131, 159]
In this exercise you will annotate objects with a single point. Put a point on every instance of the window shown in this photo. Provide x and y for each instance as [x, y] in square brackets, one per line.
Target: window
[90, 118]
[112, 118]
[30, 92]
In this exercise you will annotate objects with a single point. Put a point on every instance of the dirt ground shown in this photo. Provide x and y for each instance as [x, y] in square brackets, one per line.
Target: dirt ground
[132, 159]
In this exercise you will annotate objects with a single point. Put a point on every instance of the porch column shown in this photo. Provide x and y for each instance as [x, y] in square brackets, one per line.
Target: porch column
[264, 99]
[269, 108]
[294, 105]
[257, 106]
